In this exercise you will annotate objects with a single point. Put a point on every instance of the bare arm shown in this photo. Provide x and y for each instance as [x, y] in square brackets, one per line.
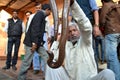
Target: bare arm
[96, 30]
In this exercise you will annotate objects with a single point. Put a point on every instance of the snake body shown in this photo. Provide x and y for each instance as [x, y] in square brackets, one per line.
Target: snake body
[55, 17]
[63, 38]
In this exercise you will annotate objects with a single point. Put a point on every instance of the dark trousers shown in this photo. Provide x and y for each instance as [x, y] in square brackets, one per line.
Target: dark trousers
[118, 51]
[99, 40]
[16, 42]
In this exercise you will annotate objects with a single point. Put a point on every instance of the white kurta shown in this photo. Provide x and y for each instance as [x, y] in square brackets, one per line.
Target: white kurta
[79, 59]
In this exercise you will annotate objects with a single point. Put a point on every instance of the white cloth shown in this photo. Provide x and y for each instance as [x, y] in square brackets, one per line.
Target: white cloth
[56, 74]
[60, 29]
[79, 59]
[29, 21]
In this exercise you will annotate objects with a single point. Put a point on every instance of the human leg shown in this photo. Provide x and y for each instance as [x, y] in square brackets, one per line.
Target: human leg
[25, 63]
[43, 55]
[42, 65]
[36, 62]
[9, 53]
[111, 54]
[102, 43]
[46, 48]
[16, 49]
[104, 75]
[97, 40]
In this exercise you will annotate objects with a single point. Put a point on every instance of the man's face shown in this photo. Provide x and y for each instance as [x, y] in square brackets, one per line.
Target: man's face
[73, 34]
[38, 7]
[28, 15]
[48, 12]
[15, 15]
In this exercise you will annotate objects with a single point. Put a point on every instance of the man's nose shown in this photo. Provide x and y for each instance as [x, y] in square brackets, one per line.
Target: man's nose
[72, 32]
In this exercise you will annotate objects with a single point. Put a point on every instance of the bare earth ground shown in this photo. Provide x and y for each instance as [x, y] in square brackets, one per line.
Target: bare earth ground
[12, 75]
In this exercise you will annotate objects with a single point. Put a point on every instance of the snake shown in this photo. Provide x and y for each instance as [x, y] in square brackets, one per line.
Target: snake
[63, 38]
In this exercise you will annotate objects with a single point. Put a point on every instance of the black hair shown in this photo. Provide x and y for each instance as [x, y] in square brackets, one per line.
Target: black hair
[106, 0]
[46, 6]
[28, 12]
[15, 11]
[37, 3]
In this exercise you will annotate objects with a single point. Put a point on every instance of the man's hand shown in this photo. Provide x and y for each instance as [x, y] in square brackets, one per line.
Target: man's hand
[33, 48]
[96, 31]
[71, 2]
[49, 40]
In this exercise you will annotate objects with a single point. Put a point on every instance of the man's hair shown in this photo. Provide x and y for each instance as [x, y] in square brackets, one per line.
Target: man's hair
[28, 12]
[73, 23]
[46, 6]
[15, 11]
[37, 4]
[106, 0]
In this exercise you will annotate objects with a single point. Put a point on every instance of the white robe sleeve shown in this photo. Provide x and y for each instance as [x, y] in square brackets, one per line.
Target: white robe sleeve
[83, 23]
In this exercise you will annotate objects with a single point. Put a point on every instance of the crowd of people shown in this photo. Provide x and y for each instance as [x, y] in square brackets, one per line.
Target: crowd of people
[93, 36]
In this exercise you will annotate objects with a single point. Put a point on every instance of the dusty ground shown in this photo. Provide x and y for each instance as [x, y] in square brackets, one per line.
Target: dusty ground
[12, 75]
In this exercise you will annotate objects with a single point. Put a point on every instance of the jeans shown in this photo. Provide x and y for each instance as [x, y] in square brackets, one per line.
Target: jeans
[111, 42]
[16, 42]
[99, 41]
[38, 62]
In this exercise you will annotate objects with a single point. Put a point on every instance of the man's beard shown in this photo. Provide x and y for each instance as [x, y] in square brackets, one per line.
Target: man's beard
[74, 39]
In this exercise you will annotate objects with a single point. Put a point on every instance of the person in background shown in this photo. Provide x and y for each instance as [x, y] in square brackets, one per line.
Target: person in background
[110, 21]
[79, 62]
[100, 45]
[28, 13]
[14, 28]
[90, 9]
[99, 48]
[34, 40]
[38, 62]
[36, 58]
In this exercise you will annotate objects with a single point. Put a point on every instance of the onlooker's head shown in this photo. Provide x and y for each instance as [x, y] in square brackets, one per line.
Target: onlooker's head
[28, 13]
[106, 1]
[46, 8]
[73, 32]
[38, 6]
[15, 14]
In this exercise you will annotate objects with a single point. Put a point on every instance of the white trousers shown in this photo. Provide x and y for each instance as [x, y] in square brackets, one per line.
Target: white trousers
[60, 74]
[106, 74]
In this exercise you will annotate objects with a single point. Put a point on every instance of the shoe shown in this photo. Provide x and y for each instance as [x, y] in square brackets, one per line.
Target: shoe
[35, 71]
[14, 68]
[6, 68]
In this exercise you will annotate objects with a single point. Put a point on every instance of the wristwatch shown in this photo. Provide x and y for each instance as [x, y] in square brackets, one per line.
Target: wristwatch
[96, 25]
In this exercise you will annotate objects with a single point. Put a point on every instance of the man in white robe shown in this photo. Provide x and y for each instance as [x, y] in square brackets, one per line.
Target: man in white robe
[79, 63]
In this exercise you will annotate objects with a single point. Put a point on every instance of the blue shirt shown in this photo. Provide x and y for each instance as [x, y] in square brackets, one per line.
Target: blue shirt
[88, 6]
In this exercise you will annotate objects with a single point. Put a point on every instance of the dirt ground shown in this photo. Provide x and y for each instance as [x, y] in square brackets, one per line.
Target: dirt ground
[12, 75]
